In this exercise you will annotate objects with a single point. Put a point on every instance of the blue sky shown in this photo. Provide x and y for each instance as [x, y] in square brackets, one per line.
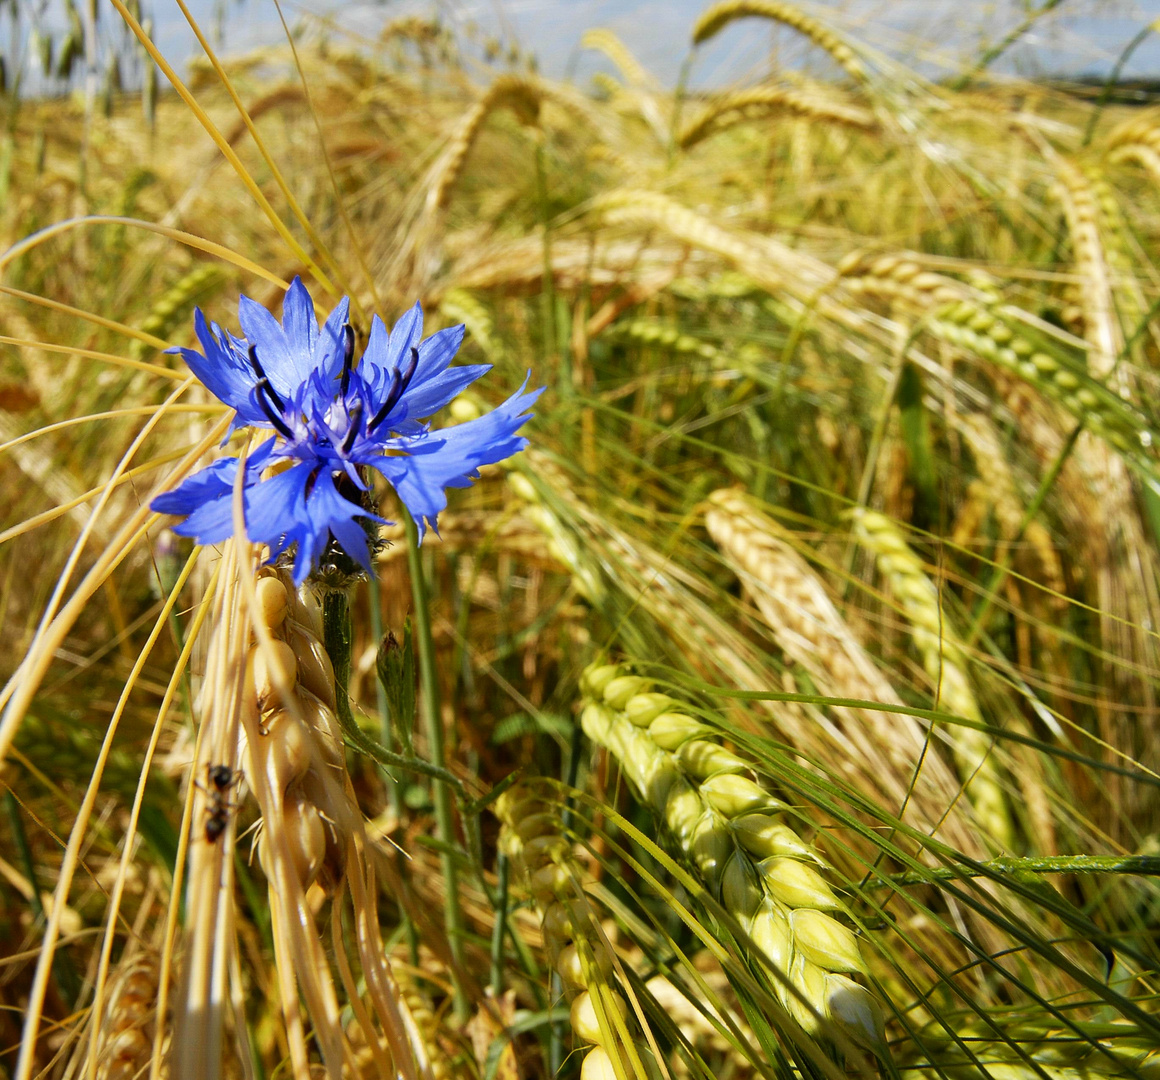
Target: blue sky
[1079, 36]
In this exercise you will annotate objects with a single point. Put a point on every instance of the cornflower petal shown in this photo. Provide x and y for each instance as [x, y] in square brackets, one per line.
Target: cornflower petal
[426, 400]
[421, 477]
[210, 482]
[406, 334]
[226, 374]
[386, 354]
[265, 336]
[437, 352]
[299, 327]
[206, 497]
[330, 344]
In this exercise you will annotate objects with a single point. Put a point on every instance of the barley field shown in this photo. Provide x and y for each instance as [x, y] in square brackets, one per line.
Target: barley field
[787, 708]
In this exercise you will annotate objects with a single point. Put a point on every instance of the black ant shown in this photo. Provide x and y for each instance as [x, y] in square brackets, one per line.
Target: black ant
[221, 778]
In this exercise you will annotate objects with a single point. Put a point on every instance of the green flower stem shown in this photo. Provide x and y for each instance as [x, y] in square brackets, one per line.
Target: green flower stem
[336, 634]
[394, 798]
[390, 780]
[497, 933]
[444, 818]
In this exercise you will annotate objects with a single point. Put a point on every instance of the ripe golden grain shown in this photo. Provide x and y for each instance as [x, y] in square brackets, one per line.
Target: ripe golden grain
[797, 607]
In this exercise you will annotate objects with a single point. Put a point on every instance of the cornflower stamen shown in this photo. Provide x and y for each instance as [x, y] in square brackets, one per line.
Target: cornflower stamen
[353, 431]
[256, 364]
[399, 384]
[271, 405]
[347, 355]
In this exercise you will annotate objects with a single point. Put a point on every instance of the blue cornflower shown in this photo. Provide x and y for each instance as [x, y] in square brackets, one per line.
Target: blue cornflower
[333, 420]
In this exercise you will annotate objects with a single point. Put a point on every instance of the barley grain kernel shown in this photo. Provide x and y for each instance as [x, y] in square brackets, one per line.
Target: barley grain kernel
[826, 941]
[557, 921]
[764, 836]
[597, 676]
[796, 885]
[618, 691]
[732, 794]
[671, 729]
[683, 809]
[741, 889]
[273, 601]
[703, 758]
[274, 665]
[771, 933]
[584, 1021]
[642, 709]
[856, 1013]
[710, 845]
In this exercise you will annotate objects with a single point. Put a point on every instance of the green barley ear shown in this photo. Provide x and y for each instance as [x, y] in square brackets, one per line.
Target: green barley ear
[731, 833]
[945, 662]
[172, 308]
[396, 671]
[535, 838]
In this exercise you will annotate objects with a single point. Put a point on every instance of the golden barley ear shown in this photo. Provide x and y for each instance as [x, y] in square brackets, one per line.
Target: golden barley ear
[715, 18]
[796, 604]
[272, 692]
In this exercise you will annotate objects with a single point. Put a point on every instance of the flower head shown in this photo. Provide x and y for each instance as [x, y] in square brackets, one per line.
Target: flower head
[331, 422]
